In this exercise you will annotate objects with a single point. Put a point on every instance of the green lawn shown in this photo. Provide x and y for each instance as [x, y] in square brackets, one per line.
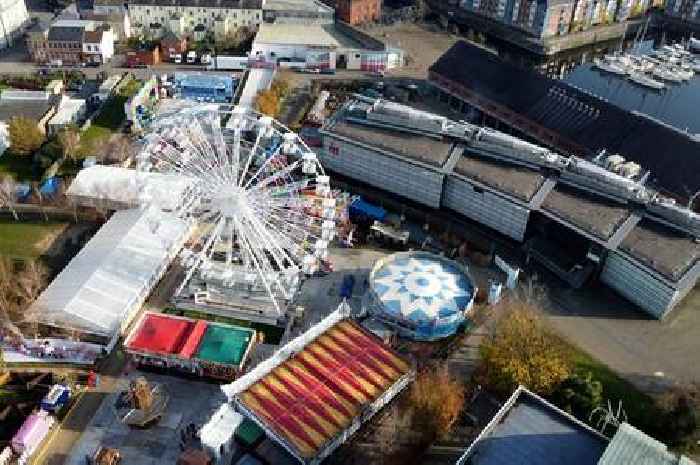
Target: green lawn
[109, 120]
[27, 240]
[640, 408]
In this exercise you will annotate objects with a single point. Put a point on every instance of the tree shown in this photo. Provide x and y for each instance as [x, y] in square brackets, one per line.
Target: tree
[30, 282]
[267, 102]
[522, 350]
[25, 136]
[8, 194]
[579, 395]
[118, 149]
[436, 400]
[69, 138]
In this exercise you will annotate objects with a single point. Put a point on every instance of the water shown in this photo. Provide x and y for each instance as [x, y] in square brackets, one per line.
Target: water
[677, 104]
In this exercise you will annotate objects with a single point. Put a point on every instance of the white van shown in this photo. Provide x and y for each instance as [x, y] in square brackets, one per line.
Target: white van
[191, 57]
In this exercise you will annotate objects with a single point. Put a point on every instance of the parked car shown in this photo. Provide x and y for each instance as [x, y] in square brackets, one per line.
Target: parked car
[191, 57]
[206, 58]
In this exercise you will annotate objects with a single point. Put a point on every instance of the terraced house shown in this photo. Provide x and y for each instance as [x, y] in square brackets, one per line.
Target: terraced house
[194, 19]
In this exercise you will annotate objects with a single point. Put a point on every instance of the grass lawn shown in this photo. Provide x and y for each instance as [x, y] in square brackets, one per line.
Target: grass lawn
[27, 240]
[20, 168]
[110, 119]
[640, 408]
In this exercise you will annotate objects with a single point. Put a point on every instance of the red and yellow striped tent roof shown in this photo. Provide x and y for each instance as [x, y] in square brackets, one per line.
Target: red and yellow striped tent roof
[312, 397]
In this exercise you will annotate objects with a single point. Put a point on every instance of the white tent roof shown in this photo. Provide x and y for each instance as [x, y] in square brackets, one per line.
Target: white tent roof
[122, 185]
[220, 427]
[116, 270]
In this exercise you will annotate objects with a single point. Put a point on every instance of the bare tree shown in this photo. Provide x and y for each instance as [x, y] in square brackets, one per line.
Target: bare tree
[8, 192]
[30, 282]
[119, 148]
[69, 138]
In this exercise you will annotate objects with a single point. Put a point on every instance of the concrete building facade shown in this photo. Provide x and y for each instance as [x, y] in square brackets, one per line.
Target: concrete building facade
[194, 18]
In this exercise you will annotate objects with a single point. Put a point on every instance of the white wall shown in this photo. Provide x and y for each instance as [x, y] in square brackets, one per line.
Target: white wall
[192, 16]
[13, 17]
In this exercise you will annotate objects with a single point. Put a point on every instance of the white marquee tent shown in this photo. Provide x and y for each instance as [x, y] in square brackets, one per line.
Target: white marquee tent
[116, 188]
[102, 288]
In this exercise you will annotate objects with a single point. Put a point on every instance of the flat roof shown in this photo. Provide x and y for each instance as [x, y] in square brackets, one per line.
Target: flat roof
[35, 109]
[314, 395]
[225, 344]
[520, 182]
[313, 35]
[297, 5]
[595, 215]
[161, 334]
[187, 338]
[661, 248]
[430, 150]
[67, 110]
[530, 431]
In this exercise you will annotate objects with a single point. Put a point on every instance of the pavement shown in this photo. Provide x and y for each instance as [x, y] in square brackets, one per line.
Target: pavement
[190, 402]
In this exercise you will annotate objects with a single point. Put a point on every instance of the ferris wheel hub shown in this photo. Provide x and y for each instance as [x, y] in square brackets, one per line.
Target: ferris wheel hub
[231, 202]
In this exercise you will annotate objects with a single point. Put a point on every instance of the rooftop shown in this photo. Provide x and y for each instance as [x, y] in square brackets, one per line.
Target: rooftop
[232, 4]
[581, 118]
[430, 150]
[186, 338]
[313, 35]
[662, 249]
[593, 214]
[530, 431]
[630, 446]
[66, 33]
[32, 105]
[67, 110]
[519, 182]
[318, 385]
[297, 5]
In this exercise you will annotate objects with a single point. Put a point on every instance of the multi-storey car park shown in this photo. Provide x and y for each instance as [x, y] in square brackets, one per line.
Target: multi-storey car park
[576, 217]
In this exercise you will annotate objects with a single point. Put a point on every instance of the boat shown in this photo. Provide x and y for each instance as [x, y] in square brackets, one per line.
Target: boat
[609, 67]
[665, 74]
[683, 74]
[646, 81]
[694, 45]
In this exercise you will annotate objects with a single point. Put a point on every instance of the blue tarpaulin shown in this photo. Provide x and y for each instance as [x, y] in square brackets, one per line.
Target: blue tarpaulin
[50, 186]
[361, 208]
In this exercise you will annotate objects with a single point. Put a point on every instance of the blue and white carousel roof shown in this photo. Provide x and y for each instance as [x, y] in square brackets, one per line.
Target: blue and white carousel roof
[422, 288]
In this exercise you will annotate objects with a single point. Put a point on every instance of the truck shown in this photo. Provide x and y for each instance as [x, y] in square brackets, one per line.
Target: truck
[228, 63]
[191, 57]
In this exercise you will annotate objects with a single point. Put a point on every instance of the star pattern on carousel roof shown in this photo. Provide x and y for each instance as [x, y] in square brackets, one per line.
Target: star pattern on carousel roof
[421, 289]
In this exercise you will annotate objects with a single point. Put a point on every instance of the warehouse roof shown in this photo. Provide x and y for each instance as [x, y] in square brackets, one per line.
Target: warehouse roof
[297, 5]
[593, 214]
[662, 249]
[431, 150]
[313, 389]
[530, 431]
[520, 182]
[582, 118]
[115, 269]
[313, 35]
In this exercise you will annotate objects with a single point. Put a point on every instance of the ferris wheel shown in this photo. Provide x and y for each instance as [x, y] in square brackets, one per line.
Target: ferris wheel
[259, 202]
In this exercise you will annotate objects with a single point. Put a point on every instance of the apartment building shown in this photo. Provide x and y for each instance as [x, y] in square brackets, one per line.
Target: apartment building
[194, 18]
